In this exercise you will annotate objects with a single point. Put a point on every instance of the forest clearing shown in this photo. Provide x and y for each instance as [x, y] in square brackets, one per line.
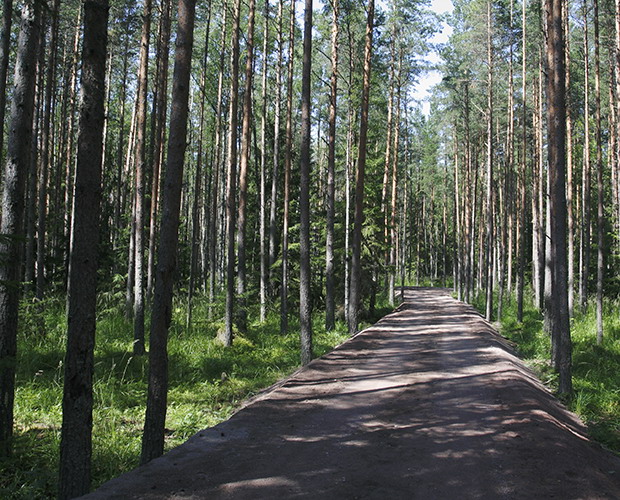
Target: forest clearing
[200, 197]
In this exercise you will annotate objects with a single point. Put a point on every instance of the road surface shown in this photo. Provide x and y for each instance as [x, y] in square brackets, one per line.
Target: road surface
[429, 403]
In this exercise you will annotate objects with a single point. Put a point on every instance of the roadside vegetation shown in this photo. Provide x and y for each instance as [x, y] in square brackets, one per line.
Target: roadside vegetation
[596, 368]
[208, 382]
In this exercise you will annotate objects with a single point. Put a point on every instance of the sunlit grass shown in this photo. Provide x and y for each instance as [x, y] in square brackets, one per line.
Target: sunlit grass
[207, 383]
[596, 368]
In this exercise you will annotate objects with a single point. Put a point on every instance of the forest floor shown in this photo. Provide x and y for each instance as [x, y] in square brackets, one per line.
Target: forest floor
[429, 403]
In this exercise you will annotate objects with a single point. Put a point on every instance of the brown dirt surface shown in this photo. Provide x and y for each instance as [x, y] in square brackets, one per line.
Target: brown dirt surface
[429, 403]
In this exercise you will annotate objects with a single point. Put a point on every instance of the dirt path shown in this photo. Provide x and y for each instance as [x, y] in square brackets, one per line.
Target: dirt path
[428, 403]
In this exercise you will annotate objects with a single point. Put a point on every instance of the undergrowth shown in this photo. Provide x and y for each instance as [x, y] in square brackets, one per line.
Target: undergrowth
[207, 383]
[596, 368]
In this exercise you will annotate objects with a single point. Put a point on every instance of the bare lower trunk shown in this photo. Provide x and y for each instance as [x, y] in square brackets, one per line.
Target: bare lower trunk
[77, 403]
[330, 296]
[356, 264]
[17, 164]
[161, 315]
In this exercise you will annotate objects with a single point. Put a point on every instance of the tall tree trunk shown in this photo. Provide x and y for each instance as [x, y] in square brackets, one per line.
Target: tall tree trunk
[264, 264]
[388, 151]
[77, 403]
[231, 195]
[569, 169]
[5, 41]
[159, 134]
[246, 139]
[330, 285]
[140, 183]
[305, 277]
[356, 264]
[216, 168]
[45, 155]
[196, 203]
[556, 119]
[584, 250]
[161, 314]
[489, 179]
[11, 224]
[393, 190]
[599, 181]
[276, 146]
[522, 177]
[68, 153]
[287, 175]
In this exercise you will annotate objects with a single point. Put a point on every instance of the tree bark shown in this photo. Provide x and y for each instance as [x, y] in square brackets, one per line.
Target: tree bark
[305, 278]
[216, 168]
[584, 249]
[569, 170]
[77, 404]
[556, 119]
[11, 224]
[246, 139]
[161, 314]
[489, 177]
[276, 147]
[264, 272]
[159, 135]
[600, 261]
[330, 285]
[198, 175]
[5, 40]
[140, 183]
[287, 174]
[231, 195]
[356, 264]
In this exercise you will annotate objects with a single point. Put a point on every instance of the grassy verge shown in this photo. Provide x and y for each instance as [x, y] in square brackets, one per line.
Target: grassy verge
[596, 369]
[207, 383]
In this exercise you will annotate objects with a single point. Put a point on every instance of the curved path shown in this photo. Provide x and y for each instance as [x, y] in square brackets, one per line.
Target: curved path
[428, 403]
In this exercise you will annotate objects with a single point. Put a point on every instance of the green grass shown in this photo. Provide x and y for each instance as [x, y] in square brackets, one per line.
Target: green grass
[207, 384]
[596, 368]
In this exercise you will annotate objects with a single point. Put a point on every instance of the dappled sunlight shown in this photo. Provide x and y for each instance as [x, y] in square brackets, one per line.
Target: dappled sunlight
[428, 403]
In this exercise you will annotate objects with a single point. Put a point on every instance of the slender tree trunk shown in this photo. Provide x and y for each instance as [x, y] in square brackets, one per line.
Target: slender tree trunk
[121, 143]
[388, 153]
[330, 285]
[599, 181]
[569, 169]
[276, 147]
[556, 119]
[264, 264]
[161, 315]
[159, 135]
[5, 40]
[213, 232]
[77, 403]
[616, 66]
[287, 176]
[231, 195]
[11, 224]
[394, 192]
[489, 180]
[140, 183]
[45, 155]
[305, 277]
[246, 139]
[356, 264]
[584, 250]
[196, 203]
[347, 188]
[522, 177]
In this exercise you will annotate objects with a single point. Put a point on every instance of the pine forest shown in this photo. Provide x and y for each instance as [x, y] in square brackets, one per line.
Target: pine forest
[200, 197]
